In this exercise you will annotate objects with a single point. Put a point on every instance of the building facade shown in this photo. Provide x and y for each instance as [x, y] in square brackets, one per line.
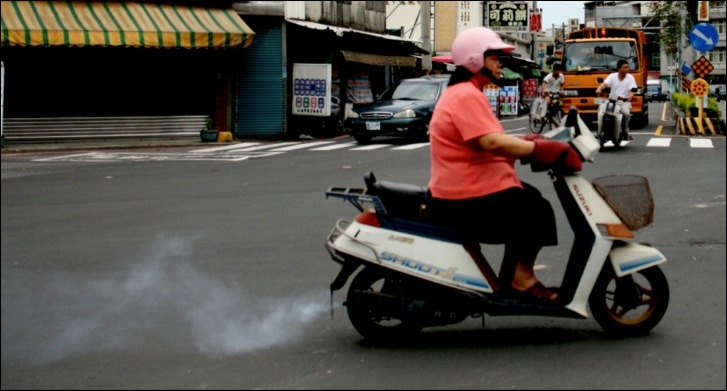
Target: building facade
[151, 59]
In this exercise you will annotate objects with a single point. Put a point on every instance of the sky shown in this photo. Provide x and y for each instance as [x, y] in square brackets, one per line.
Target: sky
[558, 12]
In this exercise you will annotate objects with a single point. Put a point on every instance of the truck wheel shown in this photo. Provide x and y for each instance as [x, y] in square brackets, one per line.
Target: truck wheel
[639, 121]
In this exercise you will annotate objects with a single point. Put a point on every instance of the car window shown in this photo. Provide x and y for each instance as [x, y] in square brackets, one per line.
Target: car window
[416, 91]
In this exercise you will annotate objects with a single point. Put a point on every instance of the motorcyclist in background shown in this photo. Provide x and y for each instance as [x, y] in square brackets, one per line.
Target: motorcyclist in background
[623, 84]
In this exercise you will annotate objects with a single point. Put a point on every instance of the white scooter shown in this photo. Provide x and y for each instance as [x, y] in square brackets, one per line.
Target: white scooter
[416, 274]
[610, 120]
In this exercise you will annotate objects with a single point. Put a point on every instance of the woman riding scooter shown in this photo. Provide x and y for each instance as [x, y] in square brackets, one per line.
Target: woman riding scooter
[474, 185]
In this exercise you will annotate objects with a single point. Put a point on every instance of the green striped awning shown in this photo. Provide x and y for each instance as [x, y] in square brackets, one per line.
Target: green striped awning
[124, 24]
[509, 74]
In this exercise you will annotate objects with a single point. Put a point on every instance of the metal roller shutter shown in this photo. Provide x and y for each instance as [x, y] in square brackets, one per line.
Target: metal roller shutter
[259, 103]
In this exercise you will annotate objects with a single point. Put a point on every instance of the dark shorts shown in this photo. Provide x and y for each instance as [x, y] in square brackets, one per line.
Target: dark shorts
[513, 216]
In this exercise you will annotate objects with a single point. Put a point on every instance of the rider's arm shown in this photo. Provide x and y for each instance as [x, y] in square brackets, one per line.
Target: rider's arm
[632, 89]
[601, 87]
[506, 146]
[544, 84]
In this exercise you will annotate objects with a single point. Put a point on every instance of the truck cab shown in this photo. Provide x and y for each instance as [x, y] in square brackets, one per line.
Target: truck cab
[591, 54]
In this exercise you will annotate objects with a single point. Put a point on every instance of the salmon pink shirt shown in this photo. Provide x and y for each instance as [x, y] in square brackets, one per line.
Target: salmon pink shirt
[461, 168]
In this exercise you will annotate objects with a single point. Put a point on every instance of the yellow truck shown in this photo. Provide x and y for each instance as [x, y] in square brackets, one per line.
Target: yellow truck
[590, 54]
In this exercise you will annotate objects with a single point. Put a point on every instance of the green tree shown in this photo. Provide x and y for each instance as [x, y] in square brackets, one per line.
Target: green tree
[667, 14]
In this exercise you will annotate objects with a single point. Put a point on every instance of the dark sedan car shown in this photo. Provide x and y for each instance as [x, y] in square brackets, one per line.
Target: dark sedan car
[403, 110]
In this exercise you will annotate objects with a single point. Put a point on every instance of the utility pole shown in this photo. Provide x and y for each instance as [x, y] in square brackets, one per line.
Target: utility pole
[533, 33]
[426, 36]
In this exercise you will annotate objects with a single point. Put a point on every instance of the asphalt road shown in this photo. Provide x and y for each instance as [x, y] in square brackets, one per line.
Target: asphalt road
[195, 274]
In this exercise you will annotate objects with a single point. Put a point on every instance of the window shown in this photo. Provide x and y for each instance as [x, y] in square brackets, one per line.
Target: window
[720, 26]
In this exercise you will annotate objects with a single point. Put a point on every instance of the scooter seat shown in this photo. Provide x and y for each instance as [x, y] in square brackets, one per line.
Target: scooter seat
[401, 189]
[399, 199]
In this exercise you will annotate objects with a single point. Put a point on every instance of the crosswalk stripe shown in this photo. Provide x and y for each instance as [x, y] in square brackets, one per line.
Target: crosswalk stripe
[226, 147]
[412, 146]
[301, 146]
[265, 146]
[700, 143]
[371, 147]
[659, 142]
[334, 146]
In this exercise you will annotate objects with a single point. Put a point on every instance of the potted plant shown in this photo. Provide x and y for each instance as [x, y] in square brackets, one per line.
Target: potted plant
[208, 133]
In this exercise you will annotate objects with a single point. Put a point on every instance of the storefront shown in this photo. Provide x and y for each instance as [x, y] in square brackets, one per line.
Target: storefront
[115, 59]
[363, 64]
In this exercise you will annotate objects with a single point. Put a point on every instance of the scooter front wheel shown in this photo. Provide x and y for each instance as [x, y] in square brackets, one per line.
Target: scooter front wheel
[630, 305]
[372, 302]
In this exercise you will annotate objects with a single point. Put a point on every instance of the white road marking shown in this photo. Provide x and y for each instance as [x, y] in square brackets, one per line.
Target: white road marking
[63, 157]
[412, 146]
[371, 147]
[265, 146]
[334, 146]
[301, 146]
[700, 143]
[226, 147]
[659, 142]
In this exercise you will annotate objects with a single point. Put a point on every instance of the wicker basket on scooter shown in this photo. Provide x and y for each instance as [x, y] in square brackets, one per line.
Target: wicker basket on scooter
[629, 196]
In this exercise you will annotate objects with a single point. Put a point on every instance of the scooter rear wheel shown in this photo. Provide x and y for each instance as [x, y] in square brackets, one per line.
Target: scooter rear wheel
[606, 134]
[630, 305]
[378, 322]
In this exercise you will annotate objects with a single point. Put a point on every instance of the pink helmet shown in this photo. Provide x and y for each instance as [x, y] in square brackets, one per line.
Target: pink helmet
[469, 47]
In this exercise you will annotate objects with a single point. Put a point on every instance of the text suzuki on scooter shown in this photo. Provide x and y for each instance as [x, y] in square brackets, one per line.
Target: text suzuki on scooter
[415, 274]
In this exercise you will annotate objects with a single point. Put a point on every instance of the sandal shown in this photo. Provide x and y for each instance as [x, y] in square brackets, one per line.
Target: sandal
[537, 293]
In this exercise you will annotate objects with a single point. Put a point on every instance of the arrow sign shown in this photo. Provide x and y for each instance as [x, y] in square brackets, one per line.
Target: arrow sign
[703, 37]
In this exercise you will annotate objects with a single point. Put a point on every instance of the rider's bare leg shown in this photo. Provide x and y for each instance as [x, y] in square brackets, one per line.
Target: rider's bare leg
[517, 272]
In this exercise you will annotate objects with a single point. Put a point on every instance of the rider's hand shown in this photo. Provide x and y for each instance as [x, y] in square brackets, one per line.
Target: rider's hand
[531, 137]
[558, 155]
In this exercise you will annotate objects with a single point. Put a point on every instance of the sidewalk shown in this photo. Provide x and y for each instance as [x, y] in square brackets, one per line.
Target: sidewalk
[17, 148]
[101, 145]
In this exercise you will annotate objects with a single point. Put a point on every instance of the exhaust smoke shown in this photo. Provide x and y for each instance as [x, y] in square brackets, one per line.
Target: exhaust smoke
[163, 303]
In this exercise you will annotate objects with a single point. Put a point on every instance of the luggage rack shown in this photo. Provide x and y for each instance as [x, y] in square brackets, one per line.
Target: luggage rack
[357, 197]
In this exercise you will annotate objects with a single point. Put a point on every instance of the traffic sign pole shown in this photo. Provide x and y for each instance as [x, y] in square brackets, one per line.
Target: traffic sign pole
[700, 88]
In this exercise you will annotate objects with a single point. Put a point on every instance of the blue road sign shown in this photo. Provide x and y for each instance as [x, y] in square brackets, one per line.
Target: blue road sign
[703, 37]
[686, 69]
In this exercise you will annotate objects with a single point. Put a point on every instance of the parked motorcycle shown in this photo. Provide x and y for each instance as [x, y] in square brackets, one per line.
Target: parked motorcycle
[415, 274]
